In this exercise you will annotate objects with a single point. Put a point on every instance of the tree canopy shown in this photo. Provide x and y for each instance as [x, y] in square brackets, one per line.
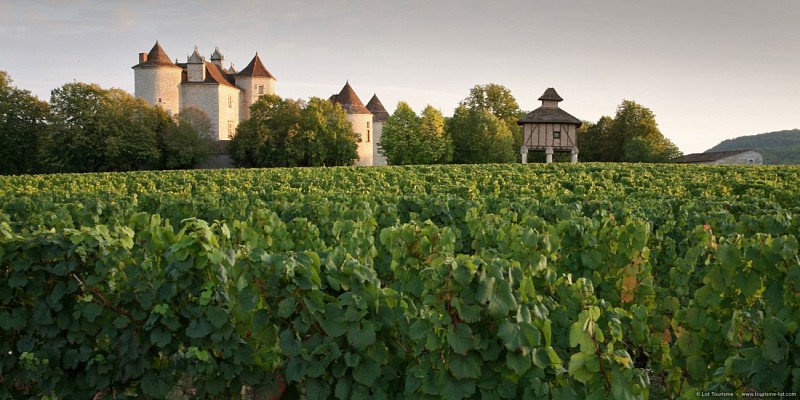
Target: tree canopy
[631, 136]
[24, 130]
[479, 137]
[288, 133]
[188, 142]
[411, 139]
[498, 101]
[103, 130]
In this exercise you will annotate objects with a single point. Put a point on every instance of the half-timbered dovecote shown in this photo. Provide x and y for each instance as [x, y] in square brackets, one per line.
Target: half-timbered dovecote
[549, 129]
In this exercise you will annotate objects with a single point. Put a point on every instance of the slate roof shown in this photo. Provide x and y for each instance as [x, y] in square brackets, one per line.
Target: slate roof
[550, 94]
[707, 157]
[376, 108]
[156, 57]
[549, 115]
[348, 99]
[255, 69]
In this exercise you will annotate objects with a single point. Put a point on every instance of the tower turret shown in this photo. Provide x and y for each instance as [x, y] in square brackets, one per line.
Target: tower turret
[379, 115]
[218, 58]
[255, 81]
[361, 119]
[157, 79]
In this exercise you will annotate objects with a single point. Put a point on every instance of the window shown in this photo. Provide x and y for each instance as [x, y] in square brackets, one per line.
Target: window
[367, 124]
[556, 134]
[260, 89]
[368, 134]
[230, 101]
[159, 100]
[230, 130]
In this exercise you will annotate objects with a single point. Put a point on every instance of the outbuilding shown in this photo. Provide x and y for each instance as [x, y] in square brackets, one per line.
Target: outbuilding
[549, 129]
[722, 157]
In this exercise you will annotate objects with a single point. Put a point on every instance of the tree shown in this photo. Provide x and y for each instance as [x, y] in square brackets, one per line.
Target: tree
[102, 130]
[285, 132]
[498, 100]
[479, 137]
[328, 136]
[631, 136]
[400, 138]
[437, 146]
[592, 138]
[633, 121]
[411, 139]
[186, 143]
[24, 130]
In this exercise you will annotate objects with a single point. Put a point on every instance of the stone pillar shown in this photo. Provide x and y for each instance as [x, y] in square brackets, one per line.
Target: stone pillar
[524, 152]
[548, 155]
[574, 156]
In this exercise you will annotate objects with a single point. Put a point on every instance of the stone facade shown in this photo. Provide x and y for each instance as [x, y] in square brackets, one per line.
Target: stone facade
[362, 125]
[747, 157]
[225, 95]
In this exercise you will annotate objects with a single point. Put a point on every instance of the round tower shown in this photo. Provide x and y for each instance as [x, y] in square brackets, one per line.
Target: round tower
[254, 81]
[379, 116]
[157, 80]
[361, 119]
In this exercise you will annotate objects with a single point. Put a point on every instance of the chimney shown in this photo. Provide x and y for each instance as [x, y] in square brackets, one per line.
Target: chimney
[142, 57]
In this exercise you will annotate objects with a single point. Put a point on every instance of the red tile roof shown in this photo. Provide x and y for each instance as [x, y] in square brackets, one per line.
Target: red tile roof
[157, 57]
[255, 69]
[348, 99]
[376, 108]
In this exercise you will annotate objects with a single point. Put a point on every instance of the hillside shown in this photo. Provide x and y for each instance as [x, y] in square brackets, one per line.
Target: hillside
[782, 147]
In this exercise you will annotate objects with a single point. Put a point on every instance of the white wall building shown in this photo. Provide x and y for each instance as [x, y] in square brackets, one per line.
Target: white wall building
[223, 94]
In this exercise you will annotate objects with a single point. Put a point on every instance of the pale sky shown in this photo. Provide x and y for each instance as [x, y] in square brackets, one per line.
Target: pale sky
[708, 69]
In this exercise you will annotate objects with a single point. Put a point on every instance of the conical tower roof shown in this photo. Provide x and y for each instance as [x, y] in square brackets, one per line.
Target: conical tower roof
[551, 95]
[376, 108]
[348, 99]
[157, 57]
[255, 69]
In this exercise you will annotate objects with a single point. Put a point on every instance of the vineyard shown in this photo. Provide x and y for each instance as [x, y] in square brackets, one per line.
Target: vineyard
[555, 281]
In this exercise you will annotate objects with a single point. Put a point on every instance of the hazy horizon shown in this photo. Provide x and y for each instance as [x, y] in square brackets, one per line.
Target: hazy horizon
[710, 70]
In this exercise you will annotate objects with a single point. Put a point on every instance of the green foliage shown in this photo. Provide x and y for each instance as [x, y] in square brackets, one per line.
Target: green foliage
[98, 129]
[186, 143]
[498, 100]
[592, 137]
[24, 133]
[480, 137]
[411, 139]
[631, 136]
[491, 281]
[286, 132]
